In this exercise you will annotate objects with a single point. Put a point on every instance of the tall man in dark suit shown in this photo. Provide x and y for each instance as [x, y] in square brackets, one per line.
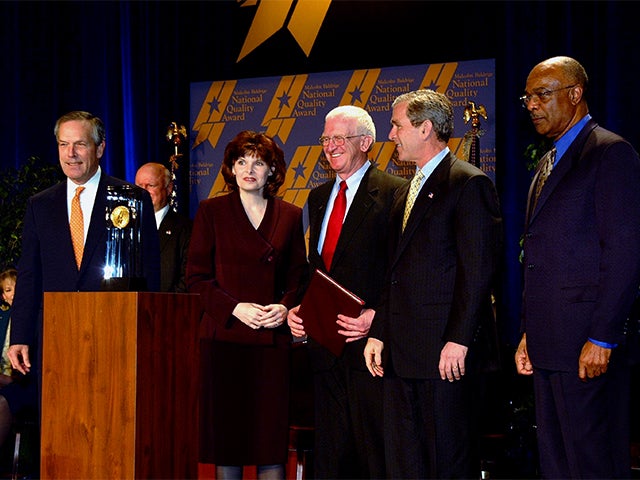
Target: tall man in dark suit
[174, 229]
[48, 262]
[348, 402]
[436, 325]
[581, 275]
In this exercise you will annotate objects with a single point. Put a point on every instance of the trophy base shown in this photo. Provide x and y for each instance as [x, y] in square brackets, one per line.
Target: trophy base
[121, 284]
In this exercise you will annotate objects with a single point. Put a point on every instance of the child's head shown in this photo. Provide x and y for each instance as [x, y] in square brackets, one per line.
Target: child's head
[8, 284]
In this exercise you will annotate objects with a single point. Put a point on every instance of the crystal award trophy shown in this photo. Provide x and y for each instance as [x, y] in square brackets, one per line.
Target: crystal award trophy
[123, 261]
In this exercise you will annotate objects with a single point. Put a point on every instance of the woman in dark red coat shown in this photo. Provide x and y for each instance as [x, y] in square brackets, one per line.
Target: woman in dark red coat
[246, 260]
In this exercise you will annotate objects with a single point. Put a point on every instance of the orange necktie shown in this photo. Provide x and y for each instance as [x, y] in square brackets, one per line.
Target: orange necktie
[335, 225]
[76, 224]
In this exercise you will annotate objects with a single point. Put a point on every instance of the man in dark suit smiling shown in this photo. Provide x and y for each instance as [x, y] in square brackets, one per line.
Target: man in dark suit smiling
[436, 326]
[51, 260]
[348, 402]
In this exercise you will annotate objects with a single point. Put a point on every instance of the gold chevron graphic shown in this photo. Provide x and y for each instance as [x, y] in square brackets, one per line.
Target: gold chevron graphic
[304, 22]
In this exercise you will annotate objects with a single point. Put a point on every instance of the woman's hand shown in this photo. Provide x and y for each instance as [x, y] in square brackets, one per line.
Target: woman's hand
[251, 314]
[274, 315]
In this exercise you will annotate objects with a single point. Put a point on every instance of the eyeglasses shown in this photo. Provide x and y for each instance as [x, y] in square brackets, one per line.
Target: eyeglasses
[543, 96]
[338, 140]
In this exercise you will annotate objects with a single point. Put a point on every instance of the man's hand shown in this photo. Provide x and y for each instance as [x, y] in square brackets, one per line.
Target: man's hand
[594, 361]
[373, 356]
[295, 323]
[19, 357]
[523, 364]
[356, 328]
[451, 363]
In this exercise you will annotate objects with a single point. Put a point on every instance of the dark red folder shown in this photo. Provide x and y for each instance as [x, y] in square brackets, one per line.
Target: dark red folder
[322, 302]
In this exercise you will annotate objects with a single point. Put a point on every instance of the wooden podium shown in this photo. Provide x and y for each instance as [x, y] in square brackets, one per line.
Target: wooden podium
[120, 385]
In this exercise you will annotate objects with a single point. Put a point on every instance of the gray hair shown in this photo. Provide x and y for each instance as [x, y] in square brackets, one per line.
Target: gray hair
[364, 122]
[429, 105]
[98, 132]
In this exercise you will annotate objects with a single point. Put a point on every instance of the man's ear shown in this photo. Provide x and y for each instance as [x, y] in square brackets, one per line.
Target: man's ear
[100, 150]
[426, 128]
[575, 94]
[365, 143]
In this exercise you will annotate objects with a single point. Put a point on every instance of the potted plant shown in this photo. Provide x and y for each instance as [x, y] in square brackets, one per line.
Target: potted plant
[16, 186]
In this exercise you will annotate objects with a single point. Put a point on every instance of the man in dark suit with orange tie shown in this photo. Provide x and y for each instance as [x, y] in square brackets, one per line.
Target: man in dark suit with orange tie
[348, 402]
[52, 261]
[436, 326]
[174, 229]
[581, 276]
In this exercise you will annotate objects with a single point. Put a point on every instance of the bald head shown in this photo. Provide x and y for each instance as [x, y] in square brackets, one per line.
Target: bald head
[155, 178]
[554, 96]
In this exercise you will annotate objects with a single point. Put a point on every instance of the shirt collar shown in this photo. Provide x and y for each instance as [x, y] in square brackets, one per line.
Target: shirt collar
[430, 166]
[354, 180]
[160, 214]
[563, 143]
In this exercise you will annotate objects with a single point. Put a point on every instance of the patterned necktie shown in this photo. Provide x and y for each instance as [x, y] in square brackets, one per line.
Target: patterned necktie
[411, 197]
[548, 160]
[335, 225]
[76, 224]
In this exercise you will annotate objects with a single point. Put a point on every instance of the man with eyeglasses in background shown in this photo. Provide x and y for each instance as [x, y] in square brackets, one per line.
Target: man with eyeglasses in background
[347, 400]
[581, 275]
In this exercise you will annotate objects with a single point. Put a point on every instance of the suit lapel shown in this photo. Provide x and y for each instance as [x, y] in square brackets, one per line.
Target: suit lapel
[429, 192]
[316, 217]
[165, 231]
[563, 167]
[97, 227]
[362, 202]
[59, 214]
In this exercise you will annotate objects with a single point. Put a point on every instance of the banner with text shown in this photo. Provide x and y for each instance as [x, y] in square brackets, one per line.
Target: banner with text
[291, 109]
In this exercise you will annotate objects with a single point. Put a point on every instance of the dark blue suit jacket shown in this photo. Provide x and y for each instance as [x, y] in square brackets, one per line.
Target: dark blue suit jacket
[47, 263]
[581, 261]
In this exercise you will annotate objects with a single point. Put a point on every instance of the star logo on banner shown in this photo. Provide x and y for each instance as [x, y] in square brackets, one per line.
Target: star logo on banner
[214, 105]
[299, 170]
[302, 20]
[210, 121]
[356, 95]
[284, 99]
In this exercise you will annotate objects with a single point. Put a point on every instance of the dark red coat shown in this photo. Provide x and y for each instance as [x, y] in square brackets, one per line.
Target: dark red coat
[244, 372]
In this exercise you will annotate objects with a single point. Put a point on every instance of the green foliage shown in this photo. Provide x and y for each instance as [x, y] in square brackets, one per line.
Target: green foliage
[532, 154]
[16, 186]
[535, 151]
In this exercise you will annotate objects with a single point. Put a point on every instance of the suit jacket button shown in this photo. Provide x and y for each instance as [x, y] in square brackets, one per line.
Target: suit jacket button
[531, 266]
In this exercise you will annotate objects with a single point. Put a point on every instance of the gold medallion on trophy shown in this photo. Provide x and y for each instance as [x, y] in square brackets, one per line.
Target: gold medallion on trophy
[120, 216]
